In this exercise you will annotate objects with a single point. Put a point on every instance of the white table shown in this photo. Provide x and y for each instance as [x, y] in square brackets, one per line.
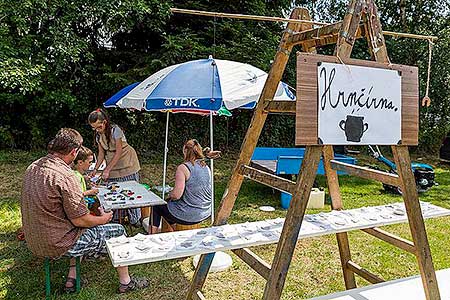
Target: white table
[410, 288]
[141, 198]
[147, 198]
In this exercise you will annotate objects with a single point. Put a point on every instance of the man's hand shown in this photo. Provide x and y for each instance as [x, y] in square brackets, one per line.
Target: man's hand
[93, 173]
[88, 220]
[91, 192]
[106, 217]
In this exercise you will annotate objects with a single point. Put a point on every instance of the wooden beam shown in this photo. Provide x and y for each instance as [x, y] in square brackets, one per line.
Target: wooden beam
[369, 276]
[416, 224]
[364, 172]
[337, 204]
[392, 239]
[250, 141]
[254, 261]
[268, 179]
[374, 34]
[292, 223]
[315, 33]
[344, 44]
[286, 107]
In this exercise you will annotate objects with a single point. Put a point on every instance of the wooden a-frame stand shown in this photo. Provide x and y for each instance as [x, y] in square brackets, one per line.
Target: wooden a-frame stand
[343, 34]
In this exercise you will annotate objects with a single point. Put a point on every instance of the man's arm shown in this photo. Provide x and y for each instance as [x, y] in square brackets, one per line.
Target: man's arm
[89, 220]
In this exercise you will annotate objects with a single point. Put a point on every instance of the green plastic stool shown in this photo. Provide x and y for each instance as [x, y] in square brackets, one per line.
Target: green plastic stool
[47, 276]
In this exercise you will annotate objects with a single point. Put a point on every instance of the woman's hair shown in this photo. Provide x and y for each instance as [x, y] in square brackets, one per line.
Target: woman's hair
[101, 115]
[65, 141]
[83, 154]
[193, 151]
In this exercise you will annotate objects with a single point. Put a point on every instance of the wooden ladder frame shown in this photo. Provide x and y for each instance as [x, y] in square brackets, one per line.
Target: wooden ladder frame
[343, 34]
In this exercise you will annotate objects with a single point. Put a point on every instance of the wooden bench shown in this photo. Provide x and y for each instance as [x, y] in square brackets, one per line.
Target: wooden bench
[410, 288]
[47, 261]
[166, 227]
[312, 226]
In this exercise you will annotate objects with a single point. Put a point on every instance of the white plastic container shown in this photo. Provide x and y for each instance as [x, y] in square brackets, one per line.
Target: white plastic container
[316, 198]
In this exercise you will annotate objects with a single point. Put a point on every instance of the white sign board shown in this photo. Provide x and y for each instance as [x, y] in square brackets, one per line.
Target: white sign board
[358, 105]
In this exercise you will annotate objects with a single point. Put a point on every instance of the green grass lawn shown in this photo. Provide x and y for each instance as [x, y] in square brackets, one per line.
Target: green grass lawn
[315, 268]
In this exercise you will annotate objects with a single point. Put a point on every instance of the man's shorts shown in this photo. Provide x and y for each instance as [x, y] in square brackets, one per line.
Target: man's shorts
[93, 241]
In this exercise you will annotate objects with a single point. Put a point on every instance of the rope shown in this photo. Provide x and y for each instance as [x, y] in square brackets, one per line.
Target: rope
[214, 38]
[345, 66]
[426, 101]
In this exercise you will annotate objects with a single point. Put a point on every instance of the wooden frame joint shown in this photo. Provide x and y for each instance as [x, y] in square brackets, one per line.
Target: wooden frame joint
[392, 239]
[254, 261]
[363, 273]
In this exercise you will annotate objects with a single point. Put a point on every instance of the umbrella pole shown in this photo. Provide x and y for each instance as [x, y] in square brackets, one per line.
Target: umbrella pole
[211, 140]
[166, 150]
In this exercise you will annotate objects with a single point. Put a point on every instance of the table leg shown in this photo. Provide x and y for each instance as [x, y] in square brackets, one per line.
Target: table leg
[150, 225]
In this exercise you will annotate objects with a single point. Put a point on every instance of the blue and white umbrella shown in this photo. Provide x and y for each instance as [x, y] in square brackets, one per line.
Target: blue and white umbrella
[203, 86]
[198, 86]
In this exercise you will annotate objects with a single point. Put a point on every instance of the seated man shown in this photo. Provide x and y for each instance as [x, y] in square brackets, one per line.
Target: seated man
[55, 219]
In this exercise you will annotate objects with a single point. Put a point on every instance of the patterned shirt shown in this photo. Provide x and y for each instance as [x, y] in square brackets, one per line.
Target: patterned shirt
[51, 196]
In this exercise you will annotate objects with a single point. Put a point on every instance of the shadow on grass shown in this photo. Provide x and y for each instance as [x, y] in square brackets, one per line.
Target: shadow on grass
[23, 277]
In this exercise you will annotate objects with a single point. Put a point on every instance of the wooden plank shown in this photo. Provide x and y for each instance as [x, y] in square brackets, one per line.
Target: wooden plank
[250, 140]
[364, 172]
[336, 204]
[392, 239]
[306, 110]
[322, 36]
[292, 223]
[344, 46]
[416, 224]
[369, 276]
[286, 107]
[269, 166]
[268, 179]
[254, 261]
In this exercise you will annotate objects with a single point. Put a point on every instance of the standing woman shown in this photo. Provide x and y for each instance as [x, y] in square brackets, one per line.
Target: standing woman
[122, 163]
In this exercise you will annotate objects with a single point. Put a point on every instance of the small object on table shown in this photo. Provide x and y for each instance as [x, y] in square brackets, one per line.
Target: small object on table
[399, 212]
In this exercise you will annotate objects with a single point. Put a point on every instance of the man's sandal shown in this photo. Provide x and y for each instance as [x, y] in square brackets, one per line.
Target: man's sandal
[135, 283]
[72, 288]
[73, 283]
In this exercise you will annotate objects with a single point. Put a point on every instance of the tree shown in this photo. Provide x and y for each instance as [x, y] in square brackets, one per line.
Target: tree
[61, 59]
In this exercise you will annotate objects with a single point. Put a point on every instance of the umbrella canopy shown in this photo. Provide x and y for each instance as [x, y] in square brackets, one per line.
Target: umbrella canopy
[199, 86]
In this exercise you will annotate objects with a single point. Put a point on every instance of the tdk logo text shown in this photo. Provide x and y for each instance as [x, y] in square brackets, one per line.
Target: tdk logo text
[191, 102]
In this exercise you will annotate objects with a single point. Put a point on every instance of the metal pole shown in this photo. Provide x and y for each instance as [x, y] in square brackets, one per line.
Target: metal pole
[166, 150]
[211, 141]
